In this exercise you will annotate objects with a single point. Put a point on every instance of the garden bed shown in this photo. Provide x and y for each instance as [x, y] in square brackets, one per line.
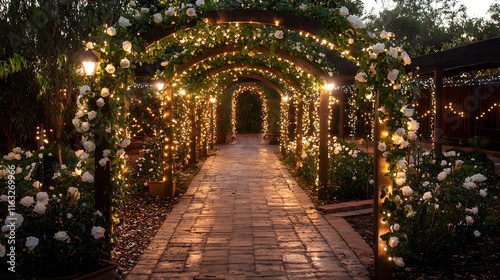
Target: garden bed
[478, 261]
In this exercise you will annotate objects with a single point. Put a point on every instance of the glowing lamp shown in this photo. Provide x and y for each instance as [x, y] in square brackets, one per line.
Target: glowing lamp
[90, 58]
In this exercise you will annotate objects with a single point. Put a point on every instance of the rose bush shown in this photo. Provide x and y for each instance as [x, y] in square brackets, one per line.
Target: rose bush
[48, 217]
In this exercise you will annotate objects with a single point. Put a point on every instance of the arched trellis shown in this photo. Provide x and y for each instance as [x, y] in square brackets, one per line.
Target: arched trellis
[381, 71]
[234, 98]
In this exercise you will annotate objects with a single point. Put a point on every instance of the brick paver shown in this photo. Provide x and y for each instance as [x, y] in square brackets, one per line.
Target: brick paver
[244, 217]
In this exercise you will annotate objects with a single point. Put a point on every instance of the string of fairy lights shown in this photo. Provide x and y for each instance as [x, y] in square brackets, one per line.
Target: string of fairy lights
[252, 88]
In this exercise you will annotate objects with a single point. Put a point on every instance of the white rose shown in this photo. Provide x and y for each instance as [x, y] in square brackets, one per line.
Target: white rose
[98, 232]
[442, 175]
[127, 46]
[200, 2]
[132, 4]
[478, 178]
[393, 52]
[111, 31]
[110, 68]
[398, 261]
[105, 153]
[279, 34]
[373, 55]
[125, 143]
[100, 102]
[170, 12]
[87, 177]
[360, 76]
[402, 164]
[355, 22]
[92, 115]
[85, 126]
[303, 156]
[157, 18]
[406, 58]
[145, 10]
[407, 191]
[382, 146]
[89, 146]
[400, 178]
[458, 163]
[74, 193]
[393, 241]
[469, 220]
[477, 233]
[124, 22]
[443, 162]
[76, 122]
[474, 210]
[84, 89]
[120, 152]
[79, 153]
[103, 161]
[408, 112]
[125, 63]
[27, 201]
[483, 193]
[104, 92]
[393, 75]
[31, 242]
[378, 48]
[427, 195]
[343, 11]
[396, 227]
[42, 197]
[191, 12]
[36, 184]
[61, 236]
[40, 208]
[413, 125]
[97, 213]
[69, 216]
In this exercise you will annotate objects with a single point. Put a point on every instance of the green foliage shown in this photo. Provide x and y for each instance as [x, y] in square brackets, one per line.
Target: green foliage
[49, 199]
[429, 25]
[223, 113]
[248, 113]
[478, 142]
[445, 203]
[351, 171]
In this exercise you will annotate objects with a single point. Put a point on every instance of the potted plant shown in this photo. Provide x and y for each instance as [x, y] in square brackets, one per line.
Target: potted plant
[50, 226]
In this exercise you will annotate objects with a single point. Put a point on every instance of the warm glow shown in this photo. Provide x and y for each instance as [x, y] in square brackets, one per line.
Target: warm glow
[89, 67]
[182, 92]
[213, 100]
[160, 85]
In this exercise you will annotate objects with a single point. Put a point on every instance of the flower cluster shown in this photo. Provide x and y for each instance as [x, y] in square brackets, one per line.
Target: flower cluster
[42, 216]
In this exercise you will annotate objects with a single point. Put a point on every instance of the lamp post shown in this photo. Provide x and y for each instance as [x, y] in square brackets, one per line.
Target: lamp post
[102, 176]
[212, 128]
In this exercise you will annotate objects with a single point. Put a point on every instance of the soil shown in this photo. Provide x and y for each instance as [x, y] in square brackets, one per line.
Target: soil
[478, 261]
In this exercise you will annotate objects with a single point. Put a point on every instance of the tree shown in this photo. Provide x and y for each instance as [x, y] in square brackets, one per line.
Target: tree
[433, 25]
[48, 35]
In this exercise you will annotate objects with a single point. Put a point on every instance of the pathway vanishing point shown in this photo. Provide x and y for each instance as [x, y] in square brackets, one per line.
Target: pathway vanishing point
[244, 217]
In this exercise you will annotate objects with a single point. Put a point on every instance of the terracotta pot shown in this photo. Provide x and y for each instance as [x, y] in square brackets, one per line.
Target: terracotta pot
[161, 188]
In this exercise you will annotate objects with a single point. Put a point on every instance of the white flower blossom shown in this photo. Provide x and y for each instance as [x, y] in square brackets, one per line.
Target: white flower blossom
[125, 143]
[400, 178]
[427, 196]
[343, 11]
[442, 175]
[124, 22]
[27, 201]
[31, 242]
[89, 146]
[382, 146]
[100, 102]
[42, 197]
[469, 220]
[125, 63]
[398, 261]
[406, 58]
[191, 12]
[103, 161]
[361, 77]
[378, 48]
[483, 192]
[393, 241]
[92, 115]
[110, 68]
[87, 177]
[355, 22]
[170, 12]
[127, 46]
[111, 31]
[157, 18]
[40, 208]
[97, 232]
[477, 233]
[393, 75]
[279, 34]
[200, 2]
[74, 193]
[407, 191]
[61, 236]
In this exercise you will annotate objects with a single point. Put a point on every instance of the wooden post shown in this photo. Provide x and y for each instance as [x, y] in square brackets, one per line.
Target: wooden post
[299, 132]
[212, 127]
[203, 127]
[168, 169]
[438, 118]
[324, 112]
[382, 264]
[192, 142]
[102, 177]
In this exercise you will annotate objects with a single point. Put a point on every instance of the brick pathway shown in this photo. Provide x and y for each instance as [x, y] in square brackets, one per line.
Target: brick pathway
[244, 217]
